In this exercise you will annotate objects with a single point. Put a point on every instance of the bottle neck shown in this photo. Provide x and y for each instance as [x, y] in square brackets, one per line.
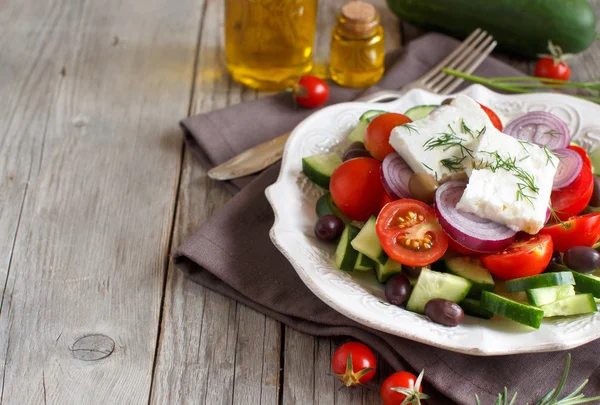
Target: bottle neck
[356, 29]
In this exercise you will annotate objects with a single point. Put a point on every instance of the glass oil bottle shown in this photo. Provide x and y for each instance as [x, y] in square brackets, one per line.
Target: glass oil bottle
[357, 46]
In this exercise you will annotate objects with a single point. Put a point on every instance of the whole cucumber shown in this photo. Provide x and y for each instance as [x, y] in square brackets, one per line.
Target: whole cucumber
[522, 27]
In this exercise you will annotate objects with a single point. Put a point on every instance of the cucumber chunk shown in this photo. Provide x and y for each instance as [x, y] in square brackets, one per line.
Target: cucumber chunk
[471, 269]
[547, 295]
[432, 284]
[521, 313]
[587, 283]
[326, 206]
[363, 263]
[595, 158]
[318, 168]
[370, 114]
[573, 305]
[345, 255]
[367, 242]
[540, 281]
[420, 111]
[358, 133]
[384, 272]
[473, 307]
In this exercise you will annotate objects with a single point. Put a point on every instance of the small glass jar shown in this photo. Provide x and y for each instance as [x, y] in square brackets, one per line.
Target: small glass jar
[357, 46]
[269, 43]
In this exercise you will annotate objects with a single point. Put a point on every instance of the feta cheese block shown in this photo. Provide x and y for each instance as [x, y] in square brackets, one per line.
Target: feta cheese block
[510, 182]
[442, 144]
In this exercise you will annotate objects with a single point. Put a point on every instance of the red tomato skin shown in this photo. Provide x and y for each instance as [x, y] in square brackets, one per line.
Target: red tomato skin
[377, 134]
[386, 198]
[546, 68]
[401, 379]
[583, 230]
[311, 91]
[572, 200]
[521, 259]
[389, 233]
[493, 117]
[586, 158]
[362, 357]
[356, 188]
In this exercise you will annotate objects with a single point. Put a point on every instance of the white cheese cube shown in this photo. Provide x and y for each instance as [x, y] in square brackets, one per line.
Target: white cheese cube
[510, 182]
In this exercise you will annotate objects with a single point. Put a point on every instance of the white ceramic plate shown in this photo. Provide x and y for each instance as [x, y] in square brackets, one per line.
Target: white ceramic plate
[358, 295]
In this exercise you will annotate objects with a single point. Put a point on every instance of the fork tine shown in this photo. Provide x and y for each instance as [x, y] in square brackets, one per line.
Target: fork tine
[457, 51]
[457, 80]
[467, 63]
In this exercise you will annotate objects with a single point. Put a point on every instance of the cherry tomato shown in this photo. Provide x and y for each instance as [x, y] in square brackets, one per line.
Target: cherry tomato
[410, 234]
[583, 230]
[586, 159]
[549, 68]
[311, 92]
[403, 380]
[356, 188]
[377, 135]
[353, 363]
[493, 117]
[458, 248]
[571, 200]
[386, 198]
[526, 257]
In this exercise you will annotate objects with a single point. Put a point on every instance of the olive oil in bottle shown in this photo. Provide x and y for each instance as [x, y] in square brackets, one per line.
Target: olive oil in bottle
[268, 43]
[357, 46]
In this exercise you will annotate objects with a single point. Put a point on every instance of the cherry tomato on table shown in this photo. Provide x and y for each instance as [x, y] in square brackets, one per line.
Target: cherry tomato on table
[548, 68]
[583, 230]
[526, 257]
[356, 188]
[571, 200]
[377, 134]
[311, 92]
[493, 117]
[410, 234]
[405, 382]
[353, 363]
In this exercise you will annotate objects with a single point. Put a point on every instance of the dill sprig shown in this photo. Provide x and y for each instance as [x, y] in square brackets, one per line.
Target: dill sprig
[550, 156]
[427, 166]
[446, 141]
[481, 131]
[454, 164]
[523, 143]
[552, 133]
[410, 128]
[465, 129]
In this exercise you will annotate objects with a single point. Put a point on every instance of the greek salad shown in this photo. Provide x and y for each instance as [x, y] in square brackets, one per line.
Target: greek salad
[459, 215]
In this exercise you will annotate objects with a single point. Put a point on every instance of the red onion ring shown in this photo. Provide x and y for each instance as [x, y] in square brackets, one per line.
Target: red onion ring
[569, 167]
[395, 175]
[469, 230]
[541, 128]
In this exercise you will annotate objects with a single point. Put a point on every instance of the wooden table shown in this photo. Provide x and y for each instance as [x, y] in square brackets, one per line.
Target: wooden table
[97, 190]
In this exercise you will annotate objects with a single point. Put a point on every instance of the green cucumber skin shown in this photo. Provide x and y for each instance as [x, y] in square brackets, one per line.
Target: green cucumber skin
[521, 313]
[586, 284]
[322, 208]
[473, 307]
[350, 257]
[522, 27]
[539, 281]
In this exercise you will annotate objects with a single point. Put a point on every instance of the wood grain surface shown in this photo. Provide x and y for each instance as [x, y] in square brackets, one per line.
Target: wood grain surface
[96, 192]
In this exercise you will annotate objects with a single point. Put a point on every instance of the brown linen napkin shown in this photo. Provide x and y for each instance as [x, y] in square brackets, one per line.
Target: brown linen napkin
[232, 254]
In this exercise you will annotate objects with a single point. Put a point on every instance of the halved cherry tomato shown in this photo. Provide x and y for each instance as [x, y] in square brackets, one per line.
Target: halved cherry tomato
[586, 159]
[353, 363]
[458, 248]
[386, 198]
[410, 234]
[570, 201]
[583, 230]
[493, 117]
[377, 135]
[525, 257]
[356, 188]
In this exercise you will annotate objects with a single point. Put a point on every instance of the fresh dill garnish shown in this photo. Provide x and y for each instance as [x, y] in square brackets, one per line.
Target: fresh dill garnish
[554, 215]
[465, 129]
[451, 129]
[523, 143]
[454, 164]
[427, 166]
[481, 131]
[447, 141]
[410, 128]
[552, 133]
[550, 156]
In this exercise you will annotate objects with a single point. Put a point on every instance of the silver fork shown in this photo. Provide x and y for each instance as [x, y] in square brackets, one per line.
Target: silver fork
[466, 58]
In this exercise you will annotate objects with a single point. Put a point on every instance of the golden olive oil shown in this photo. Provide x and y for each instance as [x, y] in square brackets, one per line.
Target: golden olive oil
[357, 46]
[268, 43]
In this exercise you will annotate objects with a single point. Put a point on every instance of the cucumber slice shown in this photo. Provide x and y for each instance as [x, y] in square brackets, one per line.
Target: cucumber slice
[539, 281]
[367, 242]
[363, 263]
[384, 272]
[432, 284]
[318, 168]
[471, 269]
[547, 295]
[326, 206]
[345, 255]
[595, 158]
[473, 307]
[521, 313]
[587, 283]
[370, 114]
[573, 305]
[358, 133]
[420, 111]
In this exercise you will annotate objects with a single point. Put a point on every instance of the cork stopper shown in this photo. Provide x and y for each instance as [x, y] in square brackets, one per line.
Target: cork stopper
[359, 18]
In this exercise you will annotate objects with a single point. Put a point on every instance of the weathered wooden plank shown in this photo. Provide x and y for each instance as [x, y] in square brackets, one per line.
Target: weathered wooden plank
[93, 89]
